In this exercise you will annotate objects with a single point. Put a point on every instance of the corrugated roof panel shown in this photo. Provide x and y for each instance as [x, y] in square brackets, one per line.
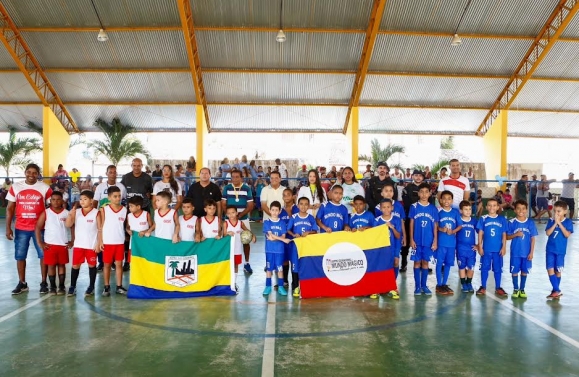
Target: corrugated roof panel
[241, 49]
[435, 54]
[561, 61]
[527, 123]
[513, 17]
[572, 30]
[16, 116]
[143, 49]
[277, 118]
[85, 86]
[178, 118]
[326, 14]
[537, 94]
[80, 13]
[14, 87]
[6, 60]
[260, 87]
[426, 121]
[431, 91]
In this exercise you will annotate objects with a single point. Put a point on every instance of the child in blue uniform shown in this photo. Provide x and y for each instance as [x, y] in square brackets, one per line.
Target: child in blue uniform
[274, 229]
[447, 228]
[396, 228]
[397, 211]
[333, 215]
[558, 229]
[466, 246]
[522, 232]
[492, 242]
[360, 219]
[423, 237]
[287, 210]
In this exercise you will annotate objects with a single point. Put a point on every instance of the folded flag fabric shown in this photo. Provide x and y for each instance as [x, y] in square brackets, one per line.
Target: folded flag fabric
[344, 264]
[161, 269]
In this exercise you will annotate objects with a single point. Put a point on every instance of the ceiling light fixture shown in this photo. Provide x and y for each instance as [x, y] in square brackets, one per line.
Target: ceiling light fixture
[280, 37]
[456, 41]
[102, 36]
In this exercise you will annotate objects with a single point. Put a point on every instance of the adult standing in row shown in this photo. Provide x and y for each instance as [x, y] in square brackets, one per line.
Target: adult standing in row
[271, 193]
[543, 196]
[203, 190]
[376, 183]
[169, 183]
[522, 189]
[283, 172]
[568, 193]
[351, 187]
[26, 202]
[138, 183]
[533, 193]
[456, 183]
[313, 191]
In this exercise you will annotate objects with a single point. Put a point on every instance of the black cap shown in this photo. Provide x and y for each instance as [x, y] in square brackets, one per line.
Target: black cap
[416, 171]
[382, 163]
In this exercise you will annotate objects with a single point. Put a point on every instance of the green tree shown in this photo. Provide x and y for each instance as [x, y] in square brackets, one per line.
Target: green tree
[16, 150]
[447, 142]
[438, 165]
[379, 153]
[119, 141]
[173, 264]
[38, 129]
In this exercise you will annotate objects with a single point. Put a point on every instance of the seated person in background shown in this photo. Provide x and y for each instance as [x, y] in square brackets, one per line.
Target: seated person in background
[508, 198]
[501, 201]
[476, 200]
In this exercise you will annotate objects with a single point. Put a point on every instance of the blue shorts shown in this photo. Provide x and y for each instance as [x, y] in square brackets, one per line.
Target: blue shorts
[445, 255]
[466, 259]
[422, 253]
[492, 261]
[555, 261]
[542, 204]
[294, 257]
[22, 242]
[273, 261]
[521, 264]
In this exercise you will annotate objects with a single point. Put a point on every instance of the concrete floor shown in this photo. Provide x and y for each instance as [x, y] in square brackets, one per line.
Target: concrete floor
[245, 335]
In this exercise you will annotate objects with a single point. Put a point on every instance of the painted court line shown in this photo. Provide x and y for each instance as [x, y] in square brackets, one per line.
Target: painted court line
[25, 307]
[268, 360]
[536, 321]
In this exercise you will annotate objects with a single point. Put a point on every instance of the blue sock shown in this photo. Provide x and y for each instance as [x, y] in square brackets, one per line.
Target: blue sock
[523, 282]
[396, 271]
[424, 277]
[516, 282]
[498, 276]
[439, 273]
[268, 282]
[554, 282]
[484, 275]
[417, 277]
[558, 280]
[446, 274]
[280, 281]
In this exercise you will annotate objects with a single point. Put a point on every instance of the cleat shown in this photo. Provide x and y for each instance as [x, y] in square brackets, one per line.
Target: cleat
[426, 291]
[100, 267]
[522, 294]
[439, 290]
[107, 291]
[449, 290]
[282, 291]
[43, 288]
[554, 295]
[126, 267]
[120, 290]
[470, 288]
[501, 292]
[21, 287]
[89, 291]
[374, 296]
[481, 291]
[464, 288]
[71, 291]
[394, 295]
[61, 291]
[247, 268]
[267, 290]
[515, 293]
[297, 292]
[417, 291]
[52, 292]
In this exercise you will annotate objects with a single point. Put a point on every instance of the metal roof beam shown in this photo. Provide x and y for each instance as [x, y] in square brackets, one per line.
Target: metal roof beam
[29, 66]
[554, 27]
[371, 34]
[188, 29]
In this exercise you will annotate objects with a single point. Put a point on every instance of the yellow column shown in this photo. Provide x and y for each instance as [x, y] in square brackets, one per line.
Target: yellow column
[352, 135]
[495, 145]
[56, 141]
[201, 130]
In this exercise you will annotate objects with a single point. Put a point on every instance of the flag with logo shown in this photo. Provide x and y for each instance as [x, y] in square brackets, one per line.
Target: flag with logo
[161, 269]
[344, 264]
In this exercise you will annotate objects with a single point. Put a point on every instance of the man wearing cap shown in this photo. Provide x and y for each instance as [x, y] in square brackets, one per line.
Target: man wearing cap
[456, 183]
[521, 189]
[409, 197]
[377, 182]
[282, 171]
[568, 193]
[302, 175]
[157, 174]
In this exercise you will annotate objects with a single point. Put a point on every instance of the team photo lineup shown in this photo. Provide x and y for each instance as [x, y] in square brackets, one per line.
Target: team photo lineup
[435, 227]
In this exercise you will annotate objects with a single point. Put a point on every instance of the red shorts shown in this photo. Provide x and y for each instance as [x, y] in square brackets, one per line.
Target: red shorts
[113, 253]
[80, 255]
[237, 259]
[55, 255]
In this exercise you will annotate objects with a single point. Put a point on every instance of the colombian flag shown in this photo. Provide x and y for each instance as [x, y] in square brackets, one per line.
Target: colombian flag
[161, 269]
[344, 264]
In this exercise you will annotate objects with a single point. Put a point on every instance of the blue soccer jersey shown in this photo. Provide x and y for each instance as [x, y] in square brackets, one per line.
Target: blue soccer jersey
[362, 220]
[493, 229]
[449, 220]
[396, 243]
[300, 225]
[466, 236]
[397, 210]
[277, 227]
[425, 218]
[334, 216]
[521, 246]
[286, 216]
[557, 242]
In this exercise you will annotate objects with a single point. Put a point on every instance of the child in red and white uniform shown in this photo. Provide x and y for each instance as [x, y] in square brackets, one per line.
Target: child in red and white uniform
[233, 227]
[137, 220]
[187, 222]
[208, 226]
[166, 224]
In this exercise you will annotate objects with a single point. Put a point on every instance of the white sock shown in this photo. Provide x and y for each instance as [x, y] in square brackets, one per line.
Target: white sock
[235, 277]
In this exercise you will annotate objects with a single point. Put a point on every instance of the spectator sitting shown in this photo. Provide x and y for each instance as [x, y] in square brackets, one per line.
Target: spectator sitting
[4, 191]
[508, 199]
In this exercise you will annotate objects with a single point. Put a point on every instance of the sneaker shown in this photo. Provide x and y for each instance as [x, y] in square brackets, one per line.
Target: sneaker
[515, 293]
[374, 296]
[554, 295]
[297, 292]
[464, 288]
[43, 288]
[481, 291]
[107, 291]
[522, 294]
[439, 290]
[89, 291]
[113, 266]
[286, 285]
[417, 291]
[394, 295]
[120, 290]
[501, 292]
[426, 291]
[282, 291]
[100, 267]
[403, 269]
[470, 288]
[448, 290]
[267, 290]
[126, 267]
[21, 287]
[247, 268]
[52, 292]
[61, 291]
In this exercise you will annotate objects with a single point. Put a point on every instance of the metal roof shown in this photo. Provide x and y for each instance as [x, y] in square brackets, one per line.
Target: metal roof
[549, 95]
[539, 124]
[16, 116]
[14, 87]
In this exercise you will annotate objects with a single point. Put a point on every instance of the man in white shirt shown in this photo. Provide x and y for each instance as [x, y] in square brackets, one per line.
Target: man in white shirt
[283, 172]
[271, 193]
[455, 183]
[568, 193]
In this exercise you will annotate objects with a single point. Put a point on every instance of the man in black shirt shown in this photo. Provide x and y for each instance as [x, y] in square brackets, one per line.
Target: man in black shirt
[409, 197]
[138, 183]
[157, 173]
[203, 190]
[376, 183]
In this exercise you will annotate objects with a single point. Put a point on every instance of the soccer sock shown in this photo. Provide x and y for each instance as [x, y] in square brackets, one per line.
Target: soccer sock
[74, 276]
[295, 280]
[558, 280]
[554, 282]
[417, 277]
[268, 282]
[484, 275]
[235, 278]
[468, 280]
[286, 272]
[61, 278]
[92, 273]
[523, 282]
[396, 271]
[498, 276]
[516, 282]
[280, 281]
[462, 281]
[439, 273]
[52, 279]
[446, 275]
[424, 277]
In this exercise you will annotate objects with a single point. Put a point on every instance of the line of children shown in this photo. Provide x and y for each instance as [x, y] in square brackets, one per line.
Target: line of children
[448, 226]
[466, 246]
[396, 230]
[233, 227]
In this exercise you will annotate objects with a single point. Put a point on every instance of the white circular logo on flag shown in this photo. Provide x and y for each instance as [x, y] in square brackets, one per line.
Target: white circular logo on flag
[344, 263]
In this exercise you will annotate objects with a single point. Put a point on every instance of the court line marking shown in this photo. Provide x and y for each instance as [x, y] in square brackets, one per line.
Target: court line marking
[268, 360]
[24, 308]
[536, 321]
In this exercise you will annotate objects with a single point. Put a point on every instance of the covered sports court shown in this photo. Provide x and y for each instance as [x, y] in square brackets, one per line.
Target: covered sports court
[346, 66]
